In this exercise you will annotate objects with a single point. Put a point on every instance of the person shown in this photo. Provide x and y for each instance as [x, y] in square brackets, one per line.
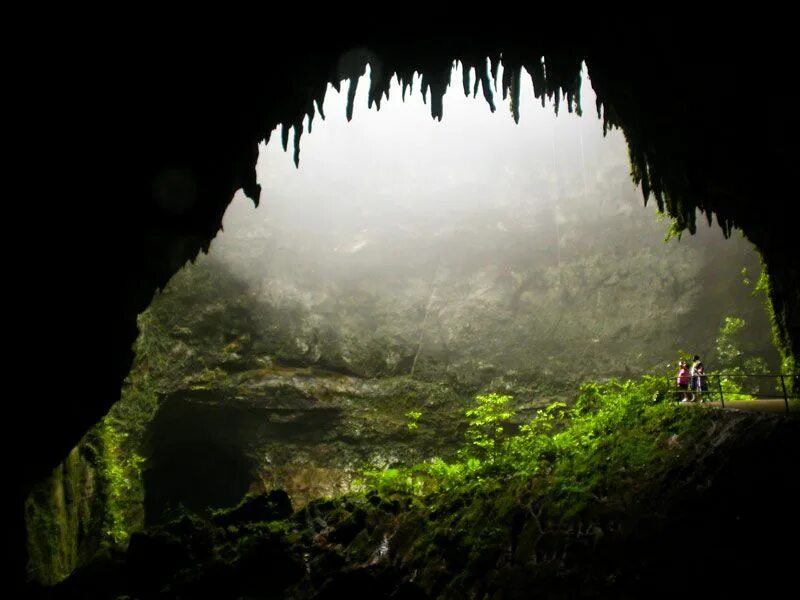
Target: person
[699, 379]
[695, 378]
[683, 381]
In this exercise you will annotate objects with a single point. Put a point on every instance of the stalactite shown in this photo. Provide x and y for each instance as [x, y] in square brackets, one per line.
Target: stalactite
[436, 81]
[494, 67]
[407, 82]
[311, 112]
[253, 190]
[639, 173]
[548, 77]
[387, 85]
[536, 70]
[553, 77]
[437, 106]
[285, 136]
[320, 101]
[551, 88]
[486, 85]
[249, 183]
[516, 78]
[574, 95]
[655, 183]
[351, 96]
[298, 131]
[377, 85]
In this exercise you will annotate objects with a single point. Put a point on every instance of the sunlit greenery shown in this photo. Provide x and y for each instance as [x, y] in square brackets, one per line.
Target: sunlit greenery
[779, 339]
[740, 375]
[486, 420]
[413, 419]
[121, 471]
[615, 432]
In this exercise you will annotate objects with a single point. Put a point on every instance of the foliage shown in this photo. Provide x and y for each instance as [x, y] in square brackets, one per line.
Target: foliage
[675, 227]
[391, 481]
[728, 352]
[574, 453]
[485, 432]
[738, 372]
[413, 416]
[121, 472]
[763, 287]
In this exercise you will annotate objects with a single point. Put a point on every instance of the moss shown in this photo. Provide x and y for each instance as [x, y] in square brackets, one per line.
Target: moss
[273, 506]
[790, 364]
[63, 515]
[123, 488]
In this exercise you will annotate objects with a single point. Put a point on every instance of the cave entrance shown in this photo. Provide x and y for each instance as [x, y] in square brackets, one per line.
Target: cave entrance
[197, 475]
[440, 338]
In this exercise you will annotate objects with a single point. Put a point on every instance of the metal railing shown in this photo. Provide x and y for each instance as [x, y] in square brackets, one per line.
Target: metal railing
[735, 386]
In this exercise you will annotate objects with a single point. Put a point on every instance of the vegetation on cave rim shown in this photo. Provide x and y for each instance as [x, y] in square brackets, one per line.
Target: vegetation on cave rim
[573, 453]
[122, 475]
[90, 504]
[567, 474]
[780, 337]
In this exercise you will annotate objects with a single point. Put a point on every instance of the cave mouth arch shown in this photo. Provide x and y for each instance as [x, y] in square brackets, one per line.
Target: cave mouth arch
[681, 144]
[682, 131]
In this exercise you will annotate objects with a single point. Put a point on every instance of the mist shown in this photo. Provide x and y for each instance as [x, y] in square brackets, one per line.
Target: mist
[407, 245]
[397, 174]
[400, 157]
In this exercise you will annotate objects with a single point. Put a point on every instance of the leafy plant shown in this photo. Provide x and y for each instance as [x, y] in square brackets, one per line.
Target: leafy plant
[736, 368]
[614, 432]
[413, 416]
[485, 426]
[764, 288]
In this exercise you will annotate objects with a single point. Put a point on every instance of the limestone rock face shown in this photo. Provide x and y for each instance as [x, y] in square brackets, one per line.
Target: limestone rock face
[304, 430]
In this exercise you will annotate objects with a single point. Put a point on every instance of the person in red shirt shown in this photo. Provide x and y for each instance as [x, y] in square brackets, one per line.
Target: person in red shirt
[683, 381]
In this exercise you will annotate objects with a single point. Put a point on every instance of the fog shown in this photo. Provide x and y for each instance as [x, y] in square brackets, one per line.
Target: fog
[472, 240]
[399, 174]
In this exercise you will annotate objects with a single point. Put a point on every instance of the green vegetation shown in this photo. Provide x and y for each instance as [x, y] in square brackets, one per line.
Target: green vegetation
[739, 374]
[575, 453]
[780, 339]
[486, 427]
[674, 228]
[57, 515]
[413, 420]
[511, 500]
[121, 473]
[90, 504]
